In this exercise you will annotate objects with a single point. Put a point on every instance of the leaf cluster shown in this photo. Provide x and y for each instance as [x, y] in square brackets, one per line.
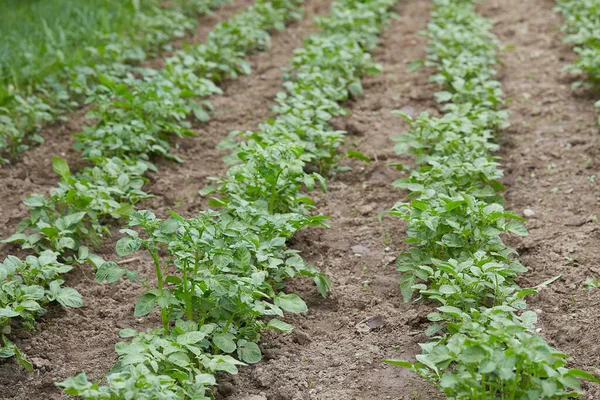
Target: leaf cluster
[483, 344]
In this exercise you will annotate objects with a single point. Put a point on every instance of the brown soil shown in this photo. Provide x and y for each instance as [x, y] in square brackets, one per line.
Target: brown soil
[336, 349]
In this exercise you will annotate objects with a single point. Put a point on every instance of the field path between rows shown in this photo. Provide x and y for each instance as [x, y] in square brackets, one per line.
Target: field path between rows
[336, 350]
[551, 156]
[70, 341]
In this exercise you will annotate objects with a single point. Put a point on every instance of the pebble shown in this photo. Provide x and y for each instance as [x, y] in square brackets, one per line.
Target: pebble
[528, 213]
[360, 249]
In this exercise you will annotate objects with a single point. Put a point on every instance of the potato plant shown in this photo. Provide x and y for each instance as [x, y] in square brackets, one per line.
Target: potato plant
[220, 274]
[581, 23]
[135, 118]
[482, 343]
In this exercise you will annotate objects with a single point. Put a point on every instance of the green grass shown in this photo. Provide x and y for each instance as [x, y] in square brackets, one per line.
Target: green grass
[41, 37]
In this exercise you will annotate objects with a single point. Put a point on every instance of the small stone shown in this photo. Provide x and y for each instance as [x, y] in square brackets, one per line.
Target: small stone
[528, 213]
[360, 249]
[300, 337]
[365, 210]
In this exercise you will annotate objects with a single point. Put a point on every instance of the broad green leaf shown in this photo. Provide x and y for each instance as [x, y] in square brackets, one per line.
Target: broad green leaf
[127, 245]
[279, 325]
[516, 228]
[109, 271]
[61, 168]
[225, 342]
[69, 297]
[127, 333]
[406, 286]
[144, 305]
[291, 303]
[169, 226]
[191, 337]
[249, 352]
[8, 313]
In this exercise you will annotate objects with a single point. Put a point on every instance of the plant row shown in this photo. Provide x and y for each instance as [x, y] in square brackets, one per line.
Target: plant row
[219, 276]
[135, 118]
[25, 108]
[482, 343]
[582, 24]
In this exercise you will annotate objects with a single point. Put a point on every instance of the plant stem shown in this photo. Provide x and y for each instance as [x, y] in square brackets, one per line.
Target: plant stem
[159, 277]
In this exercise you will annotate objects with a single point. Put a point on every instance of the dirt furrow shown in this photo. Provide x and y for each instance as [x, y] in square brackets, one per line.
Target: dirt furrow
[70, 341]
[336, 349]
[552, 159]
[32, 173]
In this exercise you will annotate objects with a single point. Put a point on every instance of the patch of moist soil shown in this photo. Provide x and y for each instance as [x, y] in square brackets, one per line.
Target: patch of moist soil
[32, 173]
[552, 158]
[70, 341]
[336, 350]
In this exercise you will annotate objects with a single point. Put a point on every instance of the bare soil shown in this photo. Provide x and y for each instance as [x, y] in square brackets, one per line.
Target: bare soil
[336, 349]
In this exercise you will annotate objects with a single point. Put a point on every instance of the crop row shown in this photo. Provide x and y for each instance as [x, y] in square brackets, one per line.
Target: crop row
[220, 273]
[134, 120]
[23, 110]
[582, 24]
[482, 343]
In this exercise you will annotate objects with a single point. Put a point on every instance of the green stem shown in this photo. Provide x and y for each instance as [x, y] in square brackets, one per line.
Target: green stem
[159, 277]
[188, 294]
[274, 192]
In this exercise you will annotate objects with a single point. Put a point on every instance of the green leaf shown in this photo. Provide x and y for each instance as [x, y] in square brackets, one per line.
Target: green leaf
[516, 228]
[249, 352]
[207, 190]
[415, 65]
[399, 363]
[169, 226]
[406, 286]
[359, 155]
[73, 219]
[433, 329]
[109, 271]
[61, 168]
[144, 305]
[191, 337]
[127, 333]
[225, 342]
[8, 313]
[35, 200]
[291, 303]
[582, 374]
[474, 354]
[127, 245]
[279, 325]
[69, 297]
